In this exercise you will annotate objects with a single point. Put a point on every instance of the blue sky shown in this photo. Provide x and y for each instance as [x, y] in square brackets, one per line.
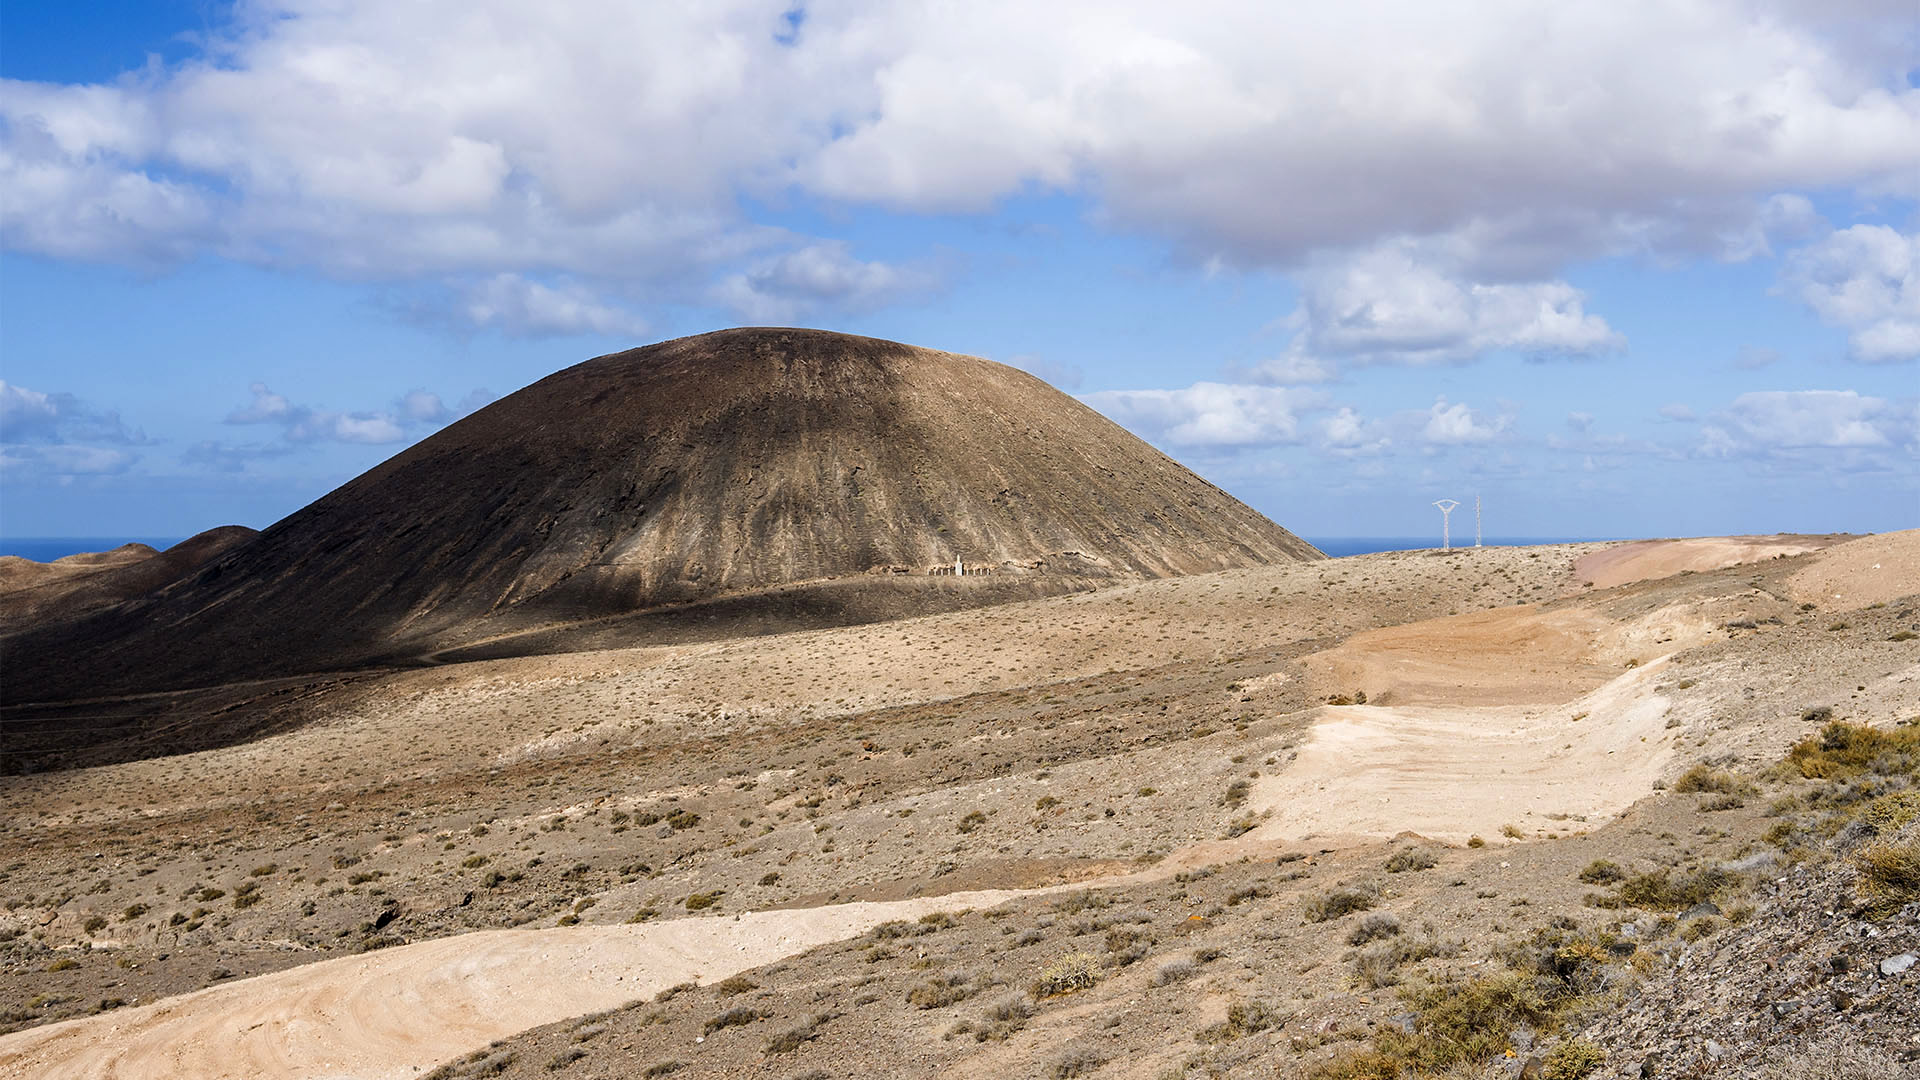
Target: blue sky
[1622, 268]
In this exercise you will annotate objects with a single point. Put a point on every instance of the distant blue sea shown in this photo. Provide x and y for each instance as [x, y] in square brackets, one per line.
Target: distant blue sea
[49, 548]
[1337, 546]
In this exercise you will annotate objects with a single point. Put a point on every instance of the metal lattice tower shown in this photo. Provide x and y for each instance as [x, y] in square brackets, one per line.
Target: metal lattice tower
[1476, 519]
[1446, 521]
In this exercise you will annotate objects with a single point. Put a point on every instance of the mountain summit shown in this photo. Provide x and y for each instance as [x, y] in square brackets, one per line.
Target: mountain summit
[819, 476]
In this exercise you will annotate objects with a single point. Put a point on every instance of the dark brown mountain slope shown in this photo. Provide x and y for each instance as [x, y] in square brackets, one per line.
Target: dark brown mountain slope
[703, 471]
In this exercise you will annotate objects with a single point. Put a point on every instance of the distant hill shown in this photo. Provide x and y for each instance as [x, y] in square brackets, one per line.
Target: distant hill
[35, 592]
[739, 481]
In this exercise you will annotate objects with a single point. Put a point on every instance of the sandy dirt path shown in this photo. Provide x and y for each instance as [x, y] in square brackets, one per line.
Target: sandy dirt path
[389, 1014]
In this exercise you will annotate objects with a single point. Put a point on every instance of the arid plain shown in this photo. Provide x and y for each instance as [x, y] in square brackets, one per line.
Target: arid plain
[444, 858]
[1187, 800]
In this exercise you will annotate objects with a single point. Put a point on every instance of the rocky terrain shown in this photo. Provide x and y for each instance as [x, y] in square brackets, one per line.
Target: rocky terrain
[1385, 815]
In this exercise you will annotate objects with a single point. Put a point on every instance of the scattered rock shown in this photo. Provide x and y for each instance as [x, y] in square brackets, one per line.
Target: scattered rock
[1894, 965]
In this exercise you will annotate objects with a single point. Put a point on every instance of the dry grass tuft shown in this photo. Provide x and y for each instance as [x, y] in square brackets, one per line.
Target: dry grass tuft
[1890, 870]
[1066, 974]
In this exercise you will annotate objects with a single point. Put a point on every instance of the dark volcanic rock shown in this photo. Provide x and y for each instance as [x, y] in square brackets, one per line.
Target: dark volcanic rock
[794, 477]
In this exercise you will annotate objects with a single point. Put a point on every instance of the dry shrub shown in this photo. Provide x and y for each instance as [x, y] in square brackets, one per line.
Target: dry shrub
[1704, 778]
[1842, 750]
[1343, 900]
[1411, 858]
[793, 1038]
[1076, 1063]
[942, 990]
[1890, 870]
[1173, 971]
[1572, 1060]
[1374, 927]
[1066, 974]
[1662, 890]
[1379, 966]
[735, 1017]
[1243, 1018]
[1003, 1017]
[1839, 1056]
[1602, 872]
[1888, 814]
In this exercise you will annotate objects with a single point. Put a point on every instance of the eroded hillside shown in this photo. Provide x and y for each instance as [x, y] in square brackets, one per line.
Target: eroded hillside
[1146, 782]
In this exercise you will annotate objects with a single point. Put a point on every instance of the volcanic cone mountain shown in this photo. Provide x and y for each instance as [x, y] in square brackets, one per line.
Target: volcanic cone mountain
[796, 477]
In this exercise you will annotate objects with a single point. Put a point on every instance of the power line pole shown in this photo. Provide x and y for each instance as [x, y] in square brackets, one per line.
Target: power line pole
[1446, 518]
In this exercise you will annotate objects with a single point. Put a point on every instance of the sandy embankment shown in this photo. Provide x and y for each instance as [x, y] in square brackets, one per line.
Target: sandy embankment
[1644, 560]
[1872, 570]
[387, 1014]
[1450, 772]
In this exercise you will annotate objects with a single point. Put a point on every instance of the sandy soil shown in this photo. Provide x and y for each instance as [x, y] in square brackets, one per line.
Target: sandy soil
[1872, 570]
[959, 756]
[1502, 657]
[375, 1015]
[1450, 772]
[1644, 560]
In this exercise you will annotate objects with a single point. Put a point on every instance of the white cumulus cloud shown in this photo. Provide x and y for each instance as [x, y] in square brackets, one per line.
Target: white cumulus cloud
[780, 287]
[628, 148]
[1209, 413]
[414, 410]
[1769, 420]
[1455, 424]
[1866, 279]
[1389, 304]
[46, 433]
[521, 307]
